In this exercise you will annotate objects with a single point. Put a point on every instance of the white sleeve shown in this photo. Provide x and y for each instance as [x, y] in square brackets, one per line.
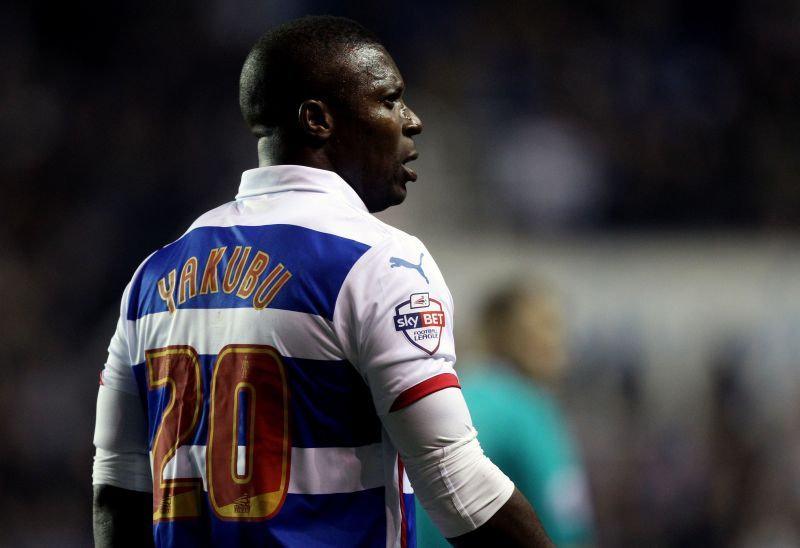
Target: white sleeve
[118, 372]
[120, 436]
[455, 482]
[394, 319]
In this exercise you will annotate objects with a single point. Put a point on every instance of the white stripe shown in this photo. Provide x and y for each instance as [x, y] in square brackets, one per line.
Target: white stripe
[331, 217]
[260, 212]
[325, 470]
[241, 459]
[294, 334]
[407, 489]
[314, 471]
[189, 461]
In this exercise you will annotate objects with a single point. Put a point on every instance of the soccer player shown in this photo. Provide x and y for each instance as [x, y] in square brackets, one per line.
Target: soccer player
[280, 371]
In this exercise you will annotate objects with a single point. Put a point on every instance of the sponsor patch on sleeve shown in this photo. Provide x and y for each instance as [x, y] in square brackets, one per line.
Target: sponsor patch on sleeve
[421, 320]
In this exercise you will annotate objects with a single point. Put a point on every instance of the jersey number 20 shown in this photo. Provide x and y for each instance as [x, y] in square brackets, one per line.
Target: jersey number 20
[248, 452]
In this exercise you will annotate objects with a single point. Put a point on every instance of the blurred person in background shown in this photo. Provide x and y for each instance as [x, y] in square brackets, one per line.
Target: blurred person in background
[521, 426]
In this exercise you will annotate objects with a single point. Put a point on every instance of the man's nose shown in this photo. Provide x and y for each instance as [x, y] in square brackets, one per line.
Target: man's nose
[412, 125]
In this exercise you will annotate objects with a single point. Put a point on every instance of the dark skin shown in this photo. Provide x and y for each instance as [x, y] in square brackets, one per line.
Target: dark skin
[122, 517]
[515, 524]
[366, 136]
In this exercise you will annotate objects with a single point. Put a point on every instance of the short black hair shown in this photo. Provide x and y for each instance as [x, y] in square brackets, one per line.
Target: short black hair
[293, 62]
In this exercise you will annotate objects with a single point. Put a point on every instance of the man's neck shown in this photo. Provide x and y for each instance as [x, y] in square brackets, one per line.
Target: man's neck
[273, 151]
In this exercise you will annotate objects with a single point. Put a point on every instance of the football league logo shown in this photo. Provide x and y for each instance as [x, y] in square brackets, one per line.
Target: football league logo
[421, 320]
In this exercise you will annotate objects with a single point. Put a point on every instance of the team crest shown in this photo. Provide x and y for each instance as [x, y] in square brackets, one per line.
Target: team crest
[421, 320]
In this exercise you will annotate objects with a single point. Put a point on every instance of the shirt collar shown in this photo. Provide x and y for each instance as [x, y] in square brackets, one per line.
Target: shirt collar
[285, 178]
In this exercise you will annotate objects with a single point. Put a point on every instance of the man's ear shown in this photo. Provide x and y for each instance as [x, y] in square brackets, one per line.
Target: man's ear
[315, 120]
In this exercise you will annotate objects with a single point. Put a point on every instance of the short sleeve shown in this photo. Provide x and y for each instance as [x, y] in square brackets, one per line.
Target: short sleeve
[118, 373]
[120, 434]
[394, 318]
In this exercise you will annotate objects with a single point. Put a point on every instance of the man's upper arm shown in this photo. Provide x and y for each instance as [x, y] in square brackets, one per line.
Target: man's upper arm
[394, 319]
[468, 498]
[454, 481]
[120, 437]
[120, 440]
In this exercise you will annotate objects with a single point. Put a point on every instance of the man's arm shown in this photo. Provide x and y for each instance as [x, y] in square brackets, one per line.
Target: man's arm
[122, 517]
[469, 499]
[515, 524]
[414, 388]
[123, 505]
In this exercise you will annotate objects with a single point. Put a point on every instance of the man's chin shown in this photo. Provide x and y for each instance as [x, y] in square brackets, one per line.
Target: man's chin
[396, 197]
[399, 195]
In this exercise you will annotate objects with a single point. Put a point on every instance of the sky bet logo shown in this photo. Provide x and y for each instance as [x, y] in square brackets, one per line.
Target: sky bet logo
[421, 320]
[418, 319]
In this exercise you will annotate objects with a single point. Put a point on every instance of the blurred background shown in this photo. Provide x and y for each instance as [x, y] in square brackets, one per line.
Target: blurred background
[640, 156]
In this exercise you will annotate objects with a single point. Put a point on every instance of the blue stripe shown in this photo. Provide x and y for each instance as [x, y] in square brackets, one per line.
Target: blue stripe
[242, 421]
[174, 534]
[410, 507]
[318, 262]
[330, 405]
[345, 519]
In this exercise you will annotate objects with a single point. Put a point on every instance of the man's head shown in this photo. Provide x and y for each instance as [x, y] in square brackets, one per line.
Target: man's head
[323, 92]
[522, 325]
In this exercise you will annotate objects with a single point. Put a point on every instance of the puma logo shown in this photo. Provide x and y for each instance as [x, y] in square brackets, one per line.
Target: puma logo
[396, 261]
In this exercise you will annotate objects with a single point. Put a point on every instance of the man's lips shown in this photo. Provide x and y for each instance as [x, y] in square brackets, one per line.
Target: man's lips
[411, 157]
[410, 173]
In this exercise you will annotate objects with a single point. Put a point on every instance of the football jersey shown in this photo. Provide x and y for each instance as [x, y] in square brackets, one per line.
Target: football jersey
[265, 344]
